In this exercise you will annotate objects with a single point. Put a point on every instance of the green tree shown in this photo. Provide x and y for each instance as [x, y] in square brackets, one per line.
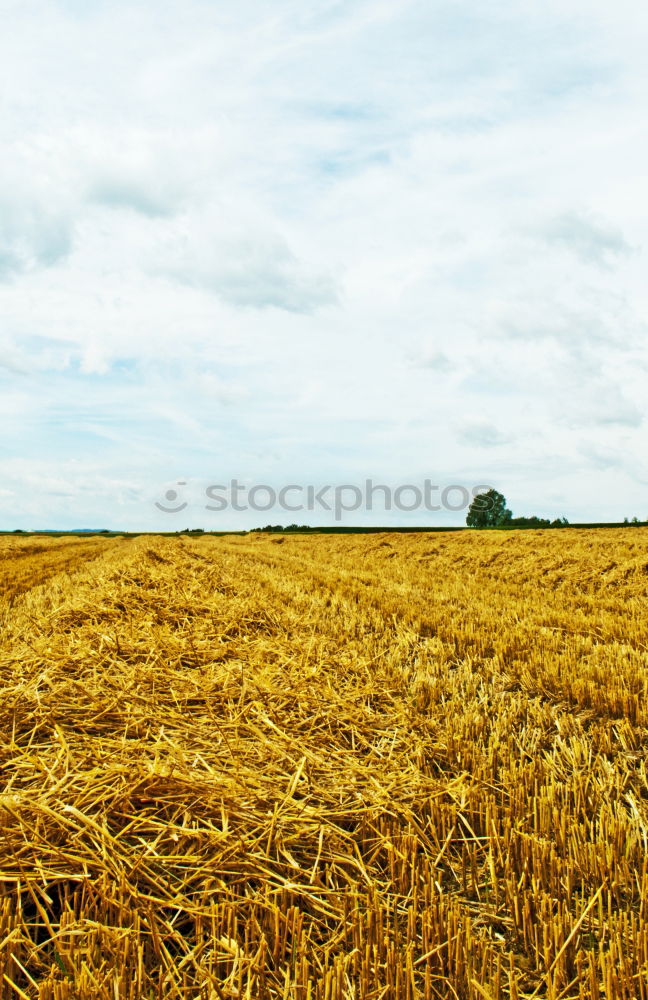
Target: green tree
[488, 510]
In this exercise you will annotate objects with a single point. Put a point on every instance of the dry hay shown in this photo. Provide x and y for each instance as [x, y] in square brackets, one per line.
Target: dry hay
[24, 563]
[239, 770]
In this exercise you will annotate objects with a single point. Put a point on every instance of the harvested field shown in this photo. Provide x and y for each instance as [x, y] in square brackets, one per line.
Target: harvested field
[372, 767]
[25, 564]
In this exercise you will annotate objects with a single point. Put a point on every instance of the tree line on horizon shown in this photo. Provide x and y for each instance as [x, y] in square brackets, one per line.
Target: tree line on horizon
[489, 510]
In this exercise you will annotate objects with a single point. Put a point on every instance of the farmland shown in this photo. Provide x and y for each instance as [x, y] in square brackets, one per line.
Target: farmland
[325, 767]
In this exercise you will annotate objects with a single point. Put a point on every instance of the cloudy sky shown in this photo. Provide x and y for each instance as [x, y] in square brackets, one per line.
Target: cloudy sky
[314, 242]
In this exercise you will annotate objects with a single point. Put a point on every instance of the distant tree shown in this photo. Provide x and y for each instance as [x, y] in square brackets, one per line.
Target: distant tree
[488, 510]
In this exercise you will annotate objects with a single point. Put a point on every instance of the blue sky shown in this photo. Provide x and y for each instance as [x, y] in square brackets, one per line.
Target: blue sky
[311, 243]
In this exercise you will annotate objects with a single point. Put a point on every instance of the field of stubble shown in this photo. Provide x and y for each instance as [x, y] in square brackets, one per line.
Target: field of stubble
[379, 767]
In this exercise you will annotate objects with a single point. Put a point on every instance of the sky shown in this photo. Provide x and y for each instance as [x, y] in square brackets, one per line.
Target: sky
[315, 243]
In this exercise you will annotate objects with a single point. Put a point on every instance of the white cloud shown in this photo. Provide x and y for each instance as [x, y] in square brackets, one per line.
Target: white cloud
[483, 435]
[324, 239]
[242, 262]
[592, 241]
